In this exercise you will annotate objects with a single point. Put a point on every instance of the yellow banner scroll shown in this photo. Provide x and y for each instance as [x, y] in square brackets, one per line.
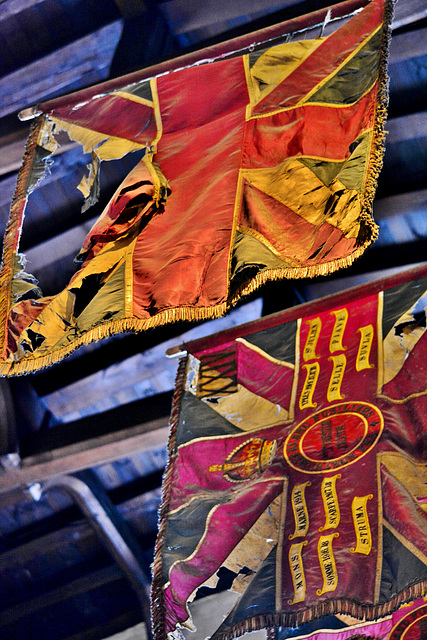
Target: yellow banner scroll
[330, 503]
[334, 388]
[297, 571]
[306, 399]
[327, 563]
[299, 507]
[361, 525]
[366, 337]
[309, 352]
[335, 343]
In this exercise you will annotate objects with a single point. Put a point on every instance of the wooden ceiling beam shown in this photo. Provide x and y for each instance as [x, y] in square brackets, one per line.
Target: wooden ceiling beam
[83, 62]
[131, 499]
[93, 580]
[106, 577]
[13, 147]
[406, 128]
[405, 13]
[408, 12]
[87, 60]
[87, 454]
[401, 204]
[14, 7]
[404, 46]
[196, 15]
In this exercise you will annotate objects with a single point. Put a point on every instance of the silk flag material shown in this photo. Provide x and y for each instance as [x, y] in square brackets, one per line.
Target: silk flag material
[259, 164]
[298, 464]
[409, 622]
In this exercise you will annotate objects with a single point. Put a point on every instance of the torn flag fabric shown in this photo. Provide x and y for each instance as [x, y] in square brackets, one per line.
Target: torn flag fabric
[298, 464]
[409, 622]
[260, 162]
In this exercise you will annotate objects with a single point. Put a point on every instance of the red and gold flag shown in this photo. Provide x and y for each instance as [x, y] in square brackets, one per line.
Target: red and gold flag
[298, 465]
[260, 162]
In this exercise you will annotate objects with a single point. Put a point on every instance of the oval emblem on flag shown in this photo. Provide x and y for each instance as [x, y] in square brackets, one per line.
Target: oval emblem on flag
[412, 627]
[334, 437]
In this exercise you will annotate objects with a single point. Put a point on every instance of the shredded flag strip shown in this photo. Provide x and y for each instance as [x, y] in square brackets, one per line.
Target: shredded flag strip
[259, 163]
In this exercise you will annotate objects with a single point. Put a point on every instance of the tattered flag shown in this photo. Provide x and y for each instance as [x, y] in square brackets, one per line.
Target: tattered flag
[260, 161]
[305, 480]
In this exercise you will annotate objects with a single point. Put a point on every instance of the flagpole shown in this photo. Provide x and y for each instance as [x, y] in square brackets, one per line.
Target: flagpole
[202, 56]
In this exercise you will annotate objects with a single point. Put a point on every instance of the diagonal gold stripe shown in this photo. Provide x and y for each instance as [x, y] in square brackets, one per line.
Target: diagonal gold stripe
[266, 243]
[279, 549]
[336, 105]
[133, 98]
[379, 563]
[208, 520]
[305, 100]
[236, 211]
[274, 72]
[340, 66]
[157, 114]
[408, 545]
[253, 347]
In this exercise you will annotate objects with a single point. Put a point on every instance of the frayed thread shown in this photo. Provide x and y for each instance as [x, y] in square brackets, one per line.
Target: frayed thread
[368, 613]
[14, 225]
[158, 621]
[112, 327]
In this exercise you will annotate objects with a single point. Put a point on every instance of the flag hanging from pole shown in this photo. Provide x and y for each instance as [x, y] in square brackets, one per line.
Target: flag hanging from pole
[298, 464]
[260, 162]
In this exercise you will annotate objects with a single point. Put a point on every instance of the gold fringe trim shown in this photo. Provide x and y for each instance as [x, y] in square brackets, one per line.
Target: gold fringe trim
[132, 324]
[294, 273]
[158, 623]
[378, 143]
[14, 226]
[29, 364]
[368, 613]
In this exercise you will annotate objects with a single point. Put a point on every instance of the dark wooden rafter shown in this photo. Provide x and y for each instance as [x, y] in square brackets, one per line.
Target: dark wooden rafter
[83, 62]
[89, 453]
[137, 502]
[36, 28]
[93, 580]
[111, 529]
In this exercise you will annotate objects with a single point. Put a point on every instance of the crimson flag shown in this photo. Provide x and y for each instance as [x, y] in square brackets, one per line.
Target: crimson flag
[298, 464]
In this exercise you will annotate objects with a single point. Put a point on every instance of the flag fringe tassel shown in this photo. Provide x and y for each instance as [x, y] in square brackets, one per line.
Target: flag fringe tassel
[110, 328]
[157, 600]
[293, 273]
[368, 613]
[167, 316]
[14, 224]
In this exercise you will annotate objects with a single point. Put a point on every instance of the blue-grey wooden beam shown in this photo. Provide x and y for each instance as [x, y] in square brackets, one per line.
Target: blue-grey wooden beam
[112, 532]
